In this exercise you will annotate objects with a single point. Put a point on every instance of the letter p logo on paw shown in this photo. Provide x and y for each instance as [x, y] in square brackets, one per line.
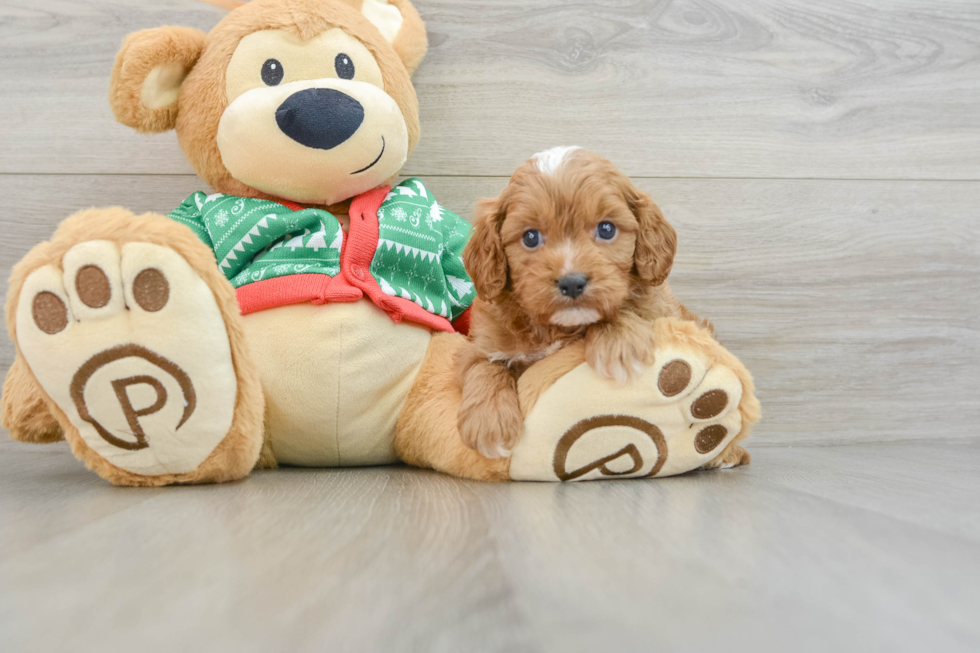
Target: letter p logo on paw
[121, 390]
[129, 433]
[610, 445]
[130, 343]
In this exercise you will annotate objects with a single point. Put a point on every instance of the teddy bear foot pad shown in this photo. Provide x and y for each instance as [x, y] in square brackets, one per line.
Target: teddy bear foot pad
[130, 344]
[680, 415]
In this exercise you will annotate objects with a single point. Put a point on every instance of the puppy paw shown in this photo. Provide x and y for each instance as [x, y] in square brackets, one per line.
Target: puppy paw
[618, 356]
[491, 425]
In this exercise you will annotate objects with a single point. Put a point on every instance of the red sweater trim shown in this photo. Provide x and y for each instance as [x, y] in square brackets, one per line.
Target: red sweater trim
[294, 289]
[355, 263]
[354, 280]
[292, 206]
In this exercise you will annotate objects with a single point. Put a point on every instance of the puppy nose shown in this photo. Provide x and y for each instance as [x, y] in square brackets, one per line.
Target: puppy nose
[572, 285]
[320, 118]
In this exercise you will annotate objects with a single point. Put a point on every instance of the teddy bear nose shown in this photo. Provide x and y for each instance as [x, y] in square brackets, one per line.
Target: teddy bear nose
[572, 285]
[320, 118]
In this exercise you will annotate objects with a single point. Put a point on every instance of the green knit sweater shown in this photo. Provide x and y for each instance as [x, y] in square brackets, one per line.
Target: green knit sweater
[410, 246]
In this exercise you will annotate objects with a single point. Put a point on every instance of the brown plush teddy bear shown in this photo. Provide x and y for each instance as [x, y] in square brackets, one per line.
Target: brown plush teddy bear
[306, 312]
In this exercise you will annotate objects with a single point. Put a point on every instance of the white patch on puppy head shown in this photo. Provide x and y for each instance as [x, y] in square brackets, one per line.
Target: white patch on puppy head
[572, 317]
[385, 17]
[568, 250]
[550, 161]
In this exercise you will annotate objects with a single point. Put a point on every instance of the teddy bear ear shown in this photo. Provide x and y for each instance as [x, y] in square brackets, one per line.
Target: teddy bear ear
[148, 73]
[401, 25]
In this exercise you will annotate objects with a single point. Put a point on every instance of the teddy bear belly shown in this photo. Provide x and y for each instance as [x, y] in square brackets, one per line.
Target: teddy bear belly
[335, 379]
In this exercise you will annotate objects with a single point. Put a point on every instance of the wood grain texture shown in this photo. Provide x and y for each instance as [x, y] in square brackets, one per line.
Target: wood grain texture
[745, 88]
[854, 304]
[807, 549]
[821, 163]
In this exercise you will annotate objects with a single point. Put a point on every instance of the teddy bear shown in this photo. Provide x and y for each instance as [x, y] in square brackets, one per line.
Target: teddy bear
[307, 309]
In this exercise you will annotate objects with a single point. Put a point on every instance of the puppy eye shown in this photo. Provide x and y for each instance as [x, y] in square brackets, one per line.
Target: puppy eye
[532, 238]
[605, 231]
[272, 72]
[344, 66]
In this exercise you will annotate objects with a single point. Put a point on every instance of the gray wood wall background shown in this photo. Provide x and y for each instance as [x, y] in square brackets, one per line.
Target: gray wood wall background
[820, 161]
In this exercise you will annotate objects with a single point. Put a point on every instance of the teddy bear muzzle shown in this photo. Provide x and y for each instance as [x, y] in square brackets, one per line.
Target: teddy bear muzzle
[318, 141]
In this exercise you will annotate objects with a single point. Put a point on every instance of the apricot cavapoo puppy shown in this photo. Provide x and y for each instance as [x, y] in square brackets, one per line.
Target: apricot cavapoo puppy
[570, 251]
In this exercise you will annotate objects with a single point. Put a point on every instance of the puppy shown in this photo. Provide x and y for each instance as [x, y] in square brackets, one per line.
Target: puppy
[570, 251]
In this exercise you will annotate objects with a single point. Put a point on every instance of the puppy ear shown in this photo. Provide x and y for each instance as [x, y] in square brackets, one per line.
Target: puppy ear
[484, 256]
[656, 240]
[149, 70]
[401, 25]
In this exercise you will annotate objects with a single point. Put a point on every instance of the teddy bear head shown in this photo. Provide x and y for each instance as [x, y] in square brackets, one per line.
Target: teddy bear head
[304, 100]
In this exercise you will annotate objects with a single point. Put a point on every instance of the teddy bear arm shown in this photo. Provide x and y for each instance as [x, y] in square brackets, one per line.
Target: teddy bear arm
[544, 374]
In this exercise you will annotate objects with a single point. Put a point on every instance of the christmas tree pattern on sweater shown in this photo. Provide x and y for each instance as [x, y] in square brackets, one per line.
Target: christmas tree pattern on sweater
[418, 256]
[255, 239]
[420, 249]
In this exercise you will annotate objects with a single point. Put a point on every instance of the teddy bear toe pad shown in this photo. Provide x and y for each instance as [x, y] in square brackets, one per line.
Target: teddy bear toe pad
[679, 415]
[130, 344]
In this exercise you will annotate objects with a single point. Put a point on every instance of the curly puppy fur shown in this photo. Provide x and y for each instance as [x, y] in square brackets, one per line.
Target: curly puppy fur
[522, 315]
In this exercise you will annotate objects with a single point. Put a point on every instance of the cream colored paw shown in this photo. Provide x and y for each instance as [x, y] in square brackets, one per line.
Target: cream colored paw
[677, 416]
[132, 347]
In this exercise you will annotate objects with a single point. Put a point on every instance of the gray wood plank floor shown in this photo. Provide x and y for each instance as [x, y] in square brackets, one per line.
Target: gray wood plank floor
[849, 548]
[821, 162]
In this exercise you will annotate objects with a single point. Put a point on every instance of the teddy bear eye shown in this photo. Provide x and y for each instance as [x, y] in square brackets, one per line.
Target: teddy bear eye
[272, 72]
[532, 238]
[605, 230]
[344, 66]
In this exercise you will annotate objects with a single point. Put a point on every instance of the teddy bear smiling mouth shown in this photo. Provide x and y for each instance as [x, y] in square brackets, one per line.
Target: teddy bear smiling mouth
[372, 164]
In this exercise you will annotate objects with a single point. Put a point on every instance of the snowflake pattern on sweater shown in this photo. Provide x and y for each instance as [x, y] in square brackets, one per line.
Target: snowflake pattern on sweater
[260, 239]
[418, 255]
[420, 248]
